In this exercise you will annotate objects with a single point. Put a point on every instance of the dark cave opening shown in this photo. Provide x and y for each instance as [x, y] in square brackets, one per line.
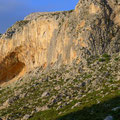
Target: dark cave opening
[10, 67]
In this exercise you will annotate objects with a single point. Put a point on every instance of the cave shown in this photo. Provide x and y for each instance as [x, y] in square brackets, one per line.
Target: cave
[10, 67]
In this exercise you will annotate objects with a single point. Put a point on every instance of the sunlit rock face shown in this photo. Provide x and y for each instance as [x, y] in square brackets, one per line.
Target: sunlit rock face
[52, 39]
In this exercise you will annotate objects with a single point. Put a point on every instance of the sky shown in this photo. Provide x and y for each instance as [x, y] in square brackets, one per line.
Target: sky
[15, 10]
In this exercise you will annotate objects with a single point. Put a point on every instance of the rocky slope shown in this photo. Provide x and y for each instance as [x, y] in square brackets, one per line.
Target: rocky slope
[75, 91]
[63, 63]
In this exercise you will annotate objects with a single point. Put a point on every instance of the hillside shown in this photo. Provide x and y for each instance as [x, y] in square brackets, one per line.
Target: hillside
[56, 38]
[62, 65]
[75, 91]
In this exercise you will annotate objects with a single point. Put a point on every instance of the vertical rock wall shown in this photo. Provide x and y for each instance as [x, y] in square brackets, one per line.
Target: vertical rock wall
[45, 39]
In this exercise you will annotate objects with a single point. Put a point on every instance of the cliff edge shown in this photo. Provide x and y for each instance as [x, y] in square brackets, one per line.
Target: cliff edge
[52, 39]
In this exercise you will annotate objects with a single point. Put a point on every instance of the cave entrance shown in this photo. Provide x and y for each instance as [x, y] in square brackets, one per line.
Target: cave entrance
[10, 67]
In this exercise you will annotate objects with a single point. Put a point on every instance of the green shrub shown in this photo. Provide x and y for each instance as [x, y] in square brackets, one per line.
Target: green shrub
[105, 58]
[101, 60]
[106, 55]
[116, 59]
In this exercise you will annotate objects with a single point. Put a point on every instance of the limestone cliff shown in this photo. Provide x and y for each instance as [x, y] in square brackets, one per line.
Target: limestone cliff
[45, 39]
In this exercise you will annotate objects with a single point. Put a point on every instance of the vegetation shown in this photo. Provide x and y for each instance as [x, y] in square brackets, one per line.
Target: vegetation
[67, 93]
[105, 57]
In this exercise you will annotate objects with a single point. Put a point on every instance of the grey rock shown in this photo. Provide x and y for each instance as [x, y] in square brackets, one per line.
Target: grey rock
[59, 107]
[42, 108]
[26, 117]
[109, 118]
[77, 104]
[83, 84]
[10, 101]
[18, 26]
[23, 95]
[88, 82]
[107, 74]
[80, 69]
[45, 94]
[115, 109]
[57, 88]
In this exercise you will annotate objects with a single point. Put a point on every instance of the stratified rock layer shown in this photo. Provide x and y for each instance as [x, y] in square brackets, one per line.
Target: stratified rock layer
[45, 39]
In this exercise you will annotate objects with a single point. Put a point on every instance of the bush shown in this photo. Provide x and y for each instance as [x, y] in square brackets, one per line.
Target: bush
[105, 57]
[101, 60]
[116, 59]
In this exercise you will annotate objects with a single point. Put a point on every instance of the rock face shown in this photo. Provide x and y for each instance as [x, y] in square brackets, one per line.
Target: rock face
[46, 39]
[0, 35]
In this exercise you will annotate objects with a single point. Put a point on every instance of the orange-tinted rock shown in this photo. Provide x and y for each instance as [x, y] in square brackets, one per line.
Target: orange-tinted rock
[45, 39]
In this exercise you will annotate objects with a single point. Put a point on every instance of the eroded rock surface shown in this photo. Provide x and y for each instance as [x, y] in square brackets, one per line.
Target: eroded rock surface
[45, 39]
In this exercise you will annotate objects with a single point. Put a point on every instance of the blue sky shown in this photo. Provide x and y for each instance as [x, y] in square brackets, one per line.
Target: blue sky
[15, 10]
